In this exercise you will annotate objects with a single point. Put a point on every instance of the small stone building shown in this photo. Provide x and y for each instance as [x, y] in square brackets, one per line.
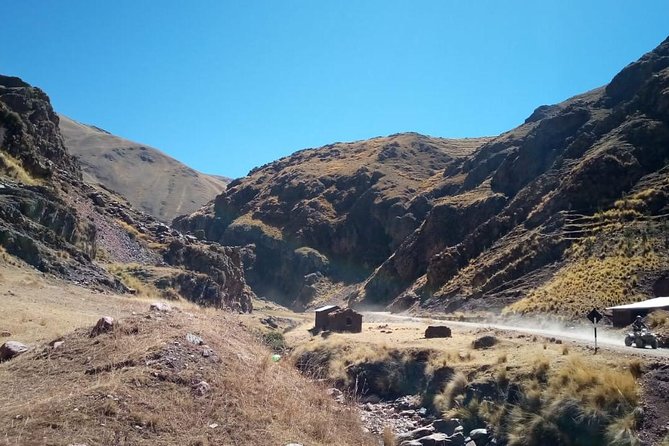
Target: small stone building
[334, 318]
[623, 315]
[321, 322]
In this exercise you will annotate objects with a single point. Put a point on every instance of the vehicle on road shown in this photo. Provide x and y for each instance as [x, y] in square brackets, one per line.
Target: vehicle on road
[641, 338]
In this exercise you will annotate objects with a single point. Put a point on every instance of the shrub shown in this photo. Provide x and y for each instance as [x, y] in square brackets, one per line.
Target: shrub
[275, 341]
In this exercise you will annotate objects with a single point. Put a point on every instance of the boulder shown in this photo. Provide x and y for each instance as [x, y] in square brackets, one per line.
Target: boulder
[446, 426]
[486, 341]
[160, 307]
[105, 324]
[437, 439]
[194, 339]
[415, 434]
[202, 388]
[437, 331]
[480, 437]
[458, 438]
[11, 349]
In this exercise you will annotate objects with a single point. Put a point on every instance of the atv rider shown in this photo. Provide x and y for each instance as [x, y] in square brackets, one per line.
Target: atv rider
[638, 324]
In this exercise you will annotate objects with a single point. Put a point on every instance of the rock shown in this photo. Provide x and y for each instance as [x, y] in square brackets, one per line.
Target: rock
[269, 321]
[11, 349]
[5, 334]
[486, 341]
[458, 438]
[437, 439]
[194, 339]
[480, 437]
[437, 331]
[215, 275]
[202, 388]
[58, 344]
[207, 352]
[415, 434]
[446, 426]
[161, 307]
[407, 402]
[105, 324]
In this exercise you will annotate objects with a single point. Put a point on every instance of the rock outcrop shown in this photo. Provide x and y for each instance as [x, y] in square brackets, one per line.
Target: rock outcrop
[339, 210]
[55, 221]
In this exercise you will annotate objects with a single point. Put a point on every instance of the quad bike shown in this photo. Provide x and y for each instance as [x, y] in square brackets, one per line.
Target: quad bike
[641, 338]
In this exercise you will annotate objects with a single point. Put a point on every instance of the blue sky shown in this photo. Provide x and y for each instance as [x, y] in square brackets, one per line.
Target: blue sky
[225, 86]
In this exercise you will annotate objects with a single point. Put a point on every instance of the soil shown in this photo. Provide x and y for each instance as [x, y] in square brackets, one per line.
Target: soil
[655, 398]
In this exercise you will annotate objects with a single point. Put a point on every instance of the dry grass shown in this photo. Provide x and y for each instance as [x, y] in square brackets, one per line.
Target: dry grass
[131, 230]
[596, 405]
[35, 308]
[137, 386]
[602, 270]
[658, 320]
[248, 220]
[131, 276]
[454, 390]
[14, 169]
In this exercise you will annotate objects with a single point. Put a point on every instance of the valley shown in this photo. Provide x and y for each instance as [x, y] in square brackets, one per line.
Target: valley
[153, 304]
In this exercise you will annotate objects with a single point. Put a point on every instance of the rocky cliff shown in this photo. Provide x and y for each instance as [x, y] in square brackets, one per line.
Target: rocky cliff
[336, 212]
[479, 223]
[53, 220]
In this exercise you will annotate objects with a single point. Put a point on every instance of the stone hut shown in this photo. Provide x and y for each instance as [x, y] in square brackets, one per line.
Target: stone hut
[321, 322]
[334, 318]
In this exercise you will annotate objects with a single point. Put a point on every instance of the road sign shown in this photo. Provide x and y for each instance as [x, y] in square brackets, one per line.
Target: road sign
[595, 316]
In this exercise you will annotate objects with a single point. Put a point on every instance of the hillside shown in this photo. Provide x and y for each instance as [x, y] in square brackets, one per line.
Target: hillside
[144, 382]
[149, 179]
[411, 220]
[53, 220]
[333, 213]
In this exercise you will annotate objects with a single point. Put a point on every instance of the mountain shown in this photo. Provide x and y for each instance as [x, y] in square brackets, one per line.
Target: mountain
[337, 212]
[566, 211]
[56, 222]
[149, 179]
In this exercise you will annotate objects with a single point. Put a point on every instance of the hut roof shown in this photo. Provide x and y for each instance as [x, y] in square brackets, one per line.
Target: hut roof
[326, 308]
[658, 302]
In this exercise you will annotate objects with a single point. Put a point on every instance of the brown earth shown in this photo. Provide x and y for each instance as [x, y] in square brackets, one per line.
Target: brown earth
[149, 179]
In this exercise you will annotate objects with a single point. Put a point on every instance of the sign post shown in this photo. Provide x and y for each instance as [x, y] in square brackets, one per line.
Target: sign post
[595, 316]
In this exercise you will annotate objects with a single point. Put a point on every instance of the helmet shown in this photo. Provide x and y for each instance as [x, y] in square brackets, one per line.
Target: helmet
[638, 318]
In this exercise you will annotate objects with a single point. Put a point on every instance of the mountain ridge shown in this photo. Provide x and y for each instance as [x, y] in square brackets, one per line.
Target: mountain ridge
[445, 230]
[126, 167]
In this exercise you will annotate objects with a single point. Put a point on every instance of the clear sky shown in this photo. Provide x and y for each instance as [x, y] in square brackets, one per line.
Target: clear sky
[228, 85]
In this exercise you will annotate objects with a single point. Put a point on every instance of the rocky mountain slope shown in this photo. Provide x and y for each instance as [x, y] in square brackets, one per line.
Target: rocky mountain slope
[150, 180]
[579, 188]
[53, 220]
[336, 212]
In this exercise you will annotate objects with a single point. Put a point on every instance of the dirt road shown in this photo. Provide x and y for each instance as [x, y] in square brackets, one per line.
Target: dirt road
[581, 334]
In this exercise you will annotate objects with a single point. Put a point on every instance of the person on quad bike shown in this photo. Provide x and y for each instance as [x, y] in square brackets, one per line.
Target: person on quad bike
[638, 324]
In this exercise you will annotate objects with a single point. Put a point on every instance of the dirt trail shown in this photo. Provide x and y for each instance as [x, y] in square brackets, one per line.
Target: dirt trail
[606, 338]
